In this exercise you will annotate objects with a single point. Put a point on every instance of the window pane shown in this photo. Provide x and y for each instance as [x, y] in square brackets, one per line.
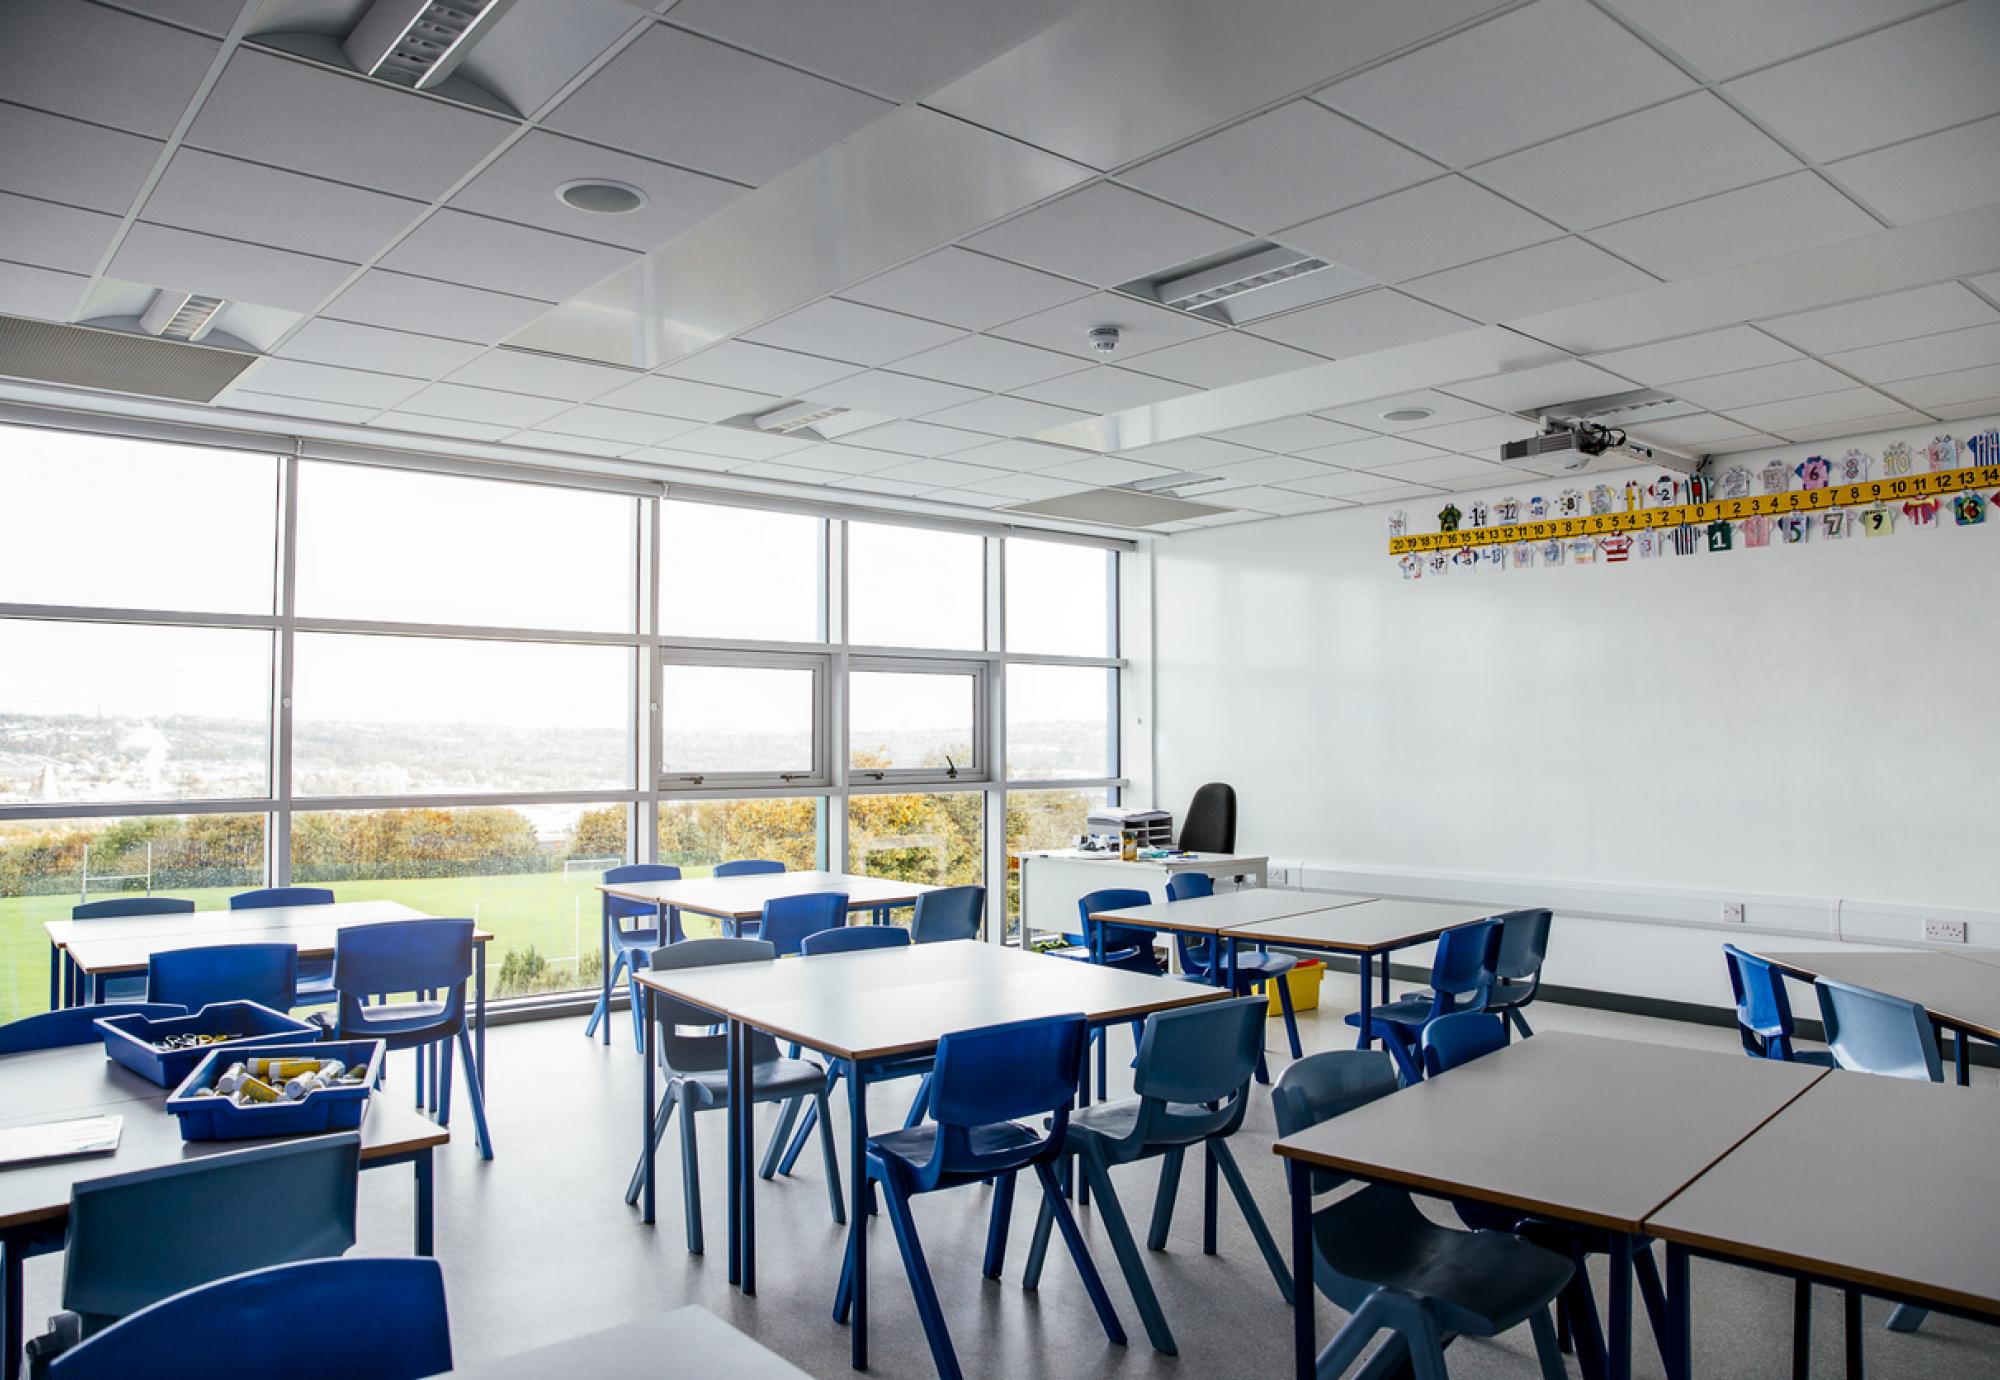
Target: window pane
[1042, 819]
[42, 874]
[137, 524]
[932, 838]
[695, 835]
[1059, 598]
[738, 573]
[397, 715]
[909, 587]
[899, 719]
[112, 711]
[398, 546]
[527, 873]
[735, 719]
[1059, 722]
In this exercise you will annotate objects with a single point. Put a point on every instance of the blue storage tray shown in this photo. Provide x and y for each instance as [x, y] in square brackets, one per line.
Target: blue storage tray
[329, 1109]
[129, 1039]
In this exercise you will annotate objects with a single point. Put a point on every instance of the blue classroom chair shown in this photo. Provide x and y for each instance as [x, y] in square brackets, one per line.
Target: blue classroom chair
[1377, 1256]
[1255, 969]
[74, 1025]
[1763, 1011]
[629, 947]
[314, 1320]
[1461, 976]
[1193, 1081]
[132, 987]
[1460, 1038]
[1113, 946]
[315, 974]
[424, 957]
[787, 920]
[137, 1238]
[267, 974]
[956, 912]
[1517, 969]
[987, 1082]
[697, 1069]
[853, 938]
[745, 867]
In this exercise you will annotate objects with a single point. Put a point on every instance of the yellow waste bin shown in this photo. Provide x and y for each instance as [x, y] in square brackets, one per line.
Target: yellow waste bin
[1304, 982]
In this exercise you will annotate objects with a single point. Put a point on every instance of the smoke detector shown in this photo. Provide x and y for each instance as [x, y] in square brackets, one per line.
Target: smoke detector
[1104, 339]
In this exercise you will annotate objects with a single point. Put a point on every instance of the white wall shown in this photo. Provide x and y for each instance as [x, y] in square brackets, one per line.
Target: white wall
[1811, 729]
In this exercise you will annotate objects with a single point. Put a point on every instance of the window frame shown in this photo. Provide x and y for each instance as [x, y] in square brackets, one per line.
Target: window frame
[817, 780]
[978, 670]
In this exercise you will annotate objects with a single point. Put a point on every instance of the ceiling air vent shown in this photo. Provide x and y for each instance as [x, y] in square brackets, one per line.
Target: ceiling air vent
[85, 357]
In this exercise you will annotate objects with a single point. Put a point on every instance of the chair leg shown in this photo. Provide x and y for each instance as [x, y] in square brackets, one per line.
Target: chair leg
[1381, 1310]
[928, 1308]
[636, 1005]
[1038, 1246]
[601, 1010]
[1259, 1232]
[830, 1162]
[690, 1181]
[780, 1134]
[800, 1136]
[443, 1083]
[1546, 1350]
[1103, 1053]
[1208, 1197]
[474, 1093]
[660, 1120]
[1653, 1294]
[920, 1108]
[1291, 1017]
[1054, 1204]
[1520, 1021]
[1412, 1071]
[996, 1227]
[1127, 1251]
[1164, 1197]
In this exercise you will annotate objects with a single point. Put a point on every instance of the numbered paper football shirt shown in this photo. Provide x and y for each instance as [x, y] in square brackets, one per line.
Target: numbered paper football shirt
[1663, 491]
[1922, 512]
[1412, 568]
[1494, 557]
[1736, 482]
[1794, 527]
[1833, 524]
[1508, 510]
[1569, 503]
[1524, 555]
[1776, 476]
[1757, 530]
[1985, 448]
[1448, 517]
[1943, 453]
[1685, 539]
[1878, 521]
[1814, 471]
[1853, 467]
[1480, 513]
[1895, 459]
[1647, 544]
[1552, 552]
[1617, 548]
[1720, 536]
[1969, 510]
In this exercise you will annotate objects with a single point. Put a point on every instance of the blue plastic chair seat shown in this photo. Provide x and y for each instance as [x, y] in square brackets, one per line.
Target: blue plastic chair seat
[1408, 1012]
[912, 1148]
[406, 1024]
[769, 1079]
[1115, 1123]
[1260, 966]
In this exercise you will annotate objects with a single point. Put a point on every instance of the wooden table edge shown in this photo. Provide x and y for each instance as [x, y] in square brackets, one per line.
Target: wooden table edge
[1410, 940]
[1943, 1018]
[479, 937]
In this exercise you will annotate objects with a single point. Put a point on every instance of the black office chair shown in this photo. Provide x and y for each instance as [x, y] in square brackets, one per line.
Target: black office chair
[1210, 825]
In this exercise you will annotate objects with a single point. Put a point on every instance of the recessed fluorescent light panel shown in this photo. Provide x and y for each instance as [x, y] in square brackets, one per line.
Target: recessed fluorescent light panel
[1245, 284]
[789, 419]
[417, 43]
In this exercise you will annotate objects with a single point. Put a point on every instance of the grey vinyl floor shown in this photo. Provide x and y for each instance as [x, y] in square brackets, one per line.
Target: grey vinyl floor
[538, 1245]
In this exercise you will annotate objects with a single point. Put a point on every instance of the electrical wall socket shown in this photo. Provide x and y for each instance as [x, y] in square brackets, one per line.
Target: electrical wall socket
[1732, 912]
[1949, 931]
[1278, 876]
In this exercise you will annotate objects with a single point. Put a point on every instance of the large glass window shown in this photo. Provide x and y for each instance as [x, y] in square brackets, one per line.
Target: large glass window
[740, 720]
[917, 838]
[1059, 721]
[122, 711]
[376, 715]
[398, 546]
[908, 718]
[911, 587]
[1042, 819]
[739, 574]
[1060, 599]
[107, 522]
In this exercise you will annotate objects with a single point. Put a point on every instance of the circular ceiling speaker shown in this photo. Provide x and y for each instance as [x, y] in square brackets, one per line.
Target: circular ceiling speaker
[1406, 414]
[601, 196]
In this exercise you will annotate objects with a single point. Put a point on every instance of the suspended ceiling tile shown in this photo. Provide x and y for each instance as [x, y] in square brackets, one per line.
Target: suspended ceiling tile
[1739, 227]
[683, 459]
[1646, 161]
[1931, 354]
[898, 49]
[47, 156]
[1696, 430]
[889, 394]
[1338, 483]
[842, 459]
[1193, 453]
[547, 376]
[1105, 388]
[209, 16]
[45, 235]
[1937, 175]
[1772, 383]
[984, 361]
[503, 257]
[1447, 469]
[942, 472]
[247, 201]
[919, 438]
[100, 65]
[1002, 416]
[1410, 233]
[1372, 453]
[1958, 386]
[1106, 234]
[573, 445]
[1260, 498]
[402, 302]
[352, 346]
[869, 484]
[367, 133]
[462, 428]
[1696, 356]
[1526, 389]
[1726, 37]
[1939, 67]
[1020, 456]
[40, 292]
[1266, 469]
[684, 99]
[1294, 163]
[180, 259]
[523, 185]
[759, 368]
[1845, 405]
[740, 443]
[1289, 434]
[1879, 320]
[1368, 321]
[309, 409]
[846, 330]
[961, 288]
[1104, 469]
[1542, 277]
[1443, 408]
[1027, 488]
[326, 383]
[1887, 421]
[615, 425]
[1141, 326]
[697, 402]
[1489, 90]
[1978, 407]
[481, 405]
[1227, 357]
[1476, 435]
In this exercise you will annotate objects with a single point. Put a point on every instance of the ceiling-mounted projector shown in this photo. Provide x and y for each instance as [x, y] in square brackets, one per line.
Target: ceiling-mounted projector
[1575, 445]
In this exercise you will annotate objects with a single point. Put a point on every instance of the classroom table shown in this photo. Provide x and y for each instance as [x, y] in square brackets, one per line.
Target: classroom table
[733, 900]
[864, 1009]
[1590, 1131]
[1053, 880]
[1364, 926]
[1961, 994]
[95, 950]
[690, 1340]
[79, 1081]
[1826, 1192]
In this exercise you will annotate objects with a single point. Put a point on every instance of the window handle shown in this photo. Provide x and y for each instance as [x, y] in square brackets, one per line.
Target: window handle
[951, 768]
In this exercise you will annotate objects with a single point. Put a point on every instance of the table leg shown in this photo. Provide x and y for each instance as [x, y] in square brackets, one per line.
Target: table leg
[1618, 1336]
[1083, 1100]
[1962, 1056]
[736, 1158]
[857, 1211]
[604, 965]
[426, 1204]
[1680, 1315]
[646, 1154]
[68, 981]
[1305, 1345]
[479, 1016]
[1802, 1329]
[1228, 964]
[1385, 979]
[1366, 962]
[746, 1139]
[55, 975]
[1852, 1327]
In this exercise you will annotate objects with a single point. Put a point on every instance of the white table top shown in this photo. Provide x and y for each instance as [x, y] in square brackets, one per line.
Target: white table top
[105, 946]
[1366, 925]
[1227, 909]
[252, 920]
[688, 1341]
[1185, 862]
[743, 898]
